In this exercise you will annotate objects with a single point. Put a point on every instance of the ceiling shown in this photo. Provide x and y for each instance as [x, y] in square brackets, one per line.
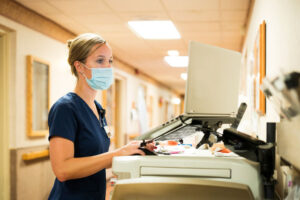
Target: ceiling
[217, 22]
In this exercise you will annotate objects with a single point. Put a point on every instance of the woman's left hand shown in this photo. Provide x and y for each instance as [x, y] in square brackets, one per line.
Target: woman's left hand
[151, 146]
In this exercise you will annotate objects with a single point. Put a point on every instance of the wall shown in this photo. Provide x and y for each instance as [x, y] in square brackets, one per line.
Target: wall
[29, 42]
[24, 42]
[282, 54]
[282, 47]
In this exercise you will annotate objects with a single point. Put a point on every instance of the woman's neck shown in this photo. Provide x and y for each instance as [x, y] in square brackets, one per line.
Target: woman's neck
[83, 90]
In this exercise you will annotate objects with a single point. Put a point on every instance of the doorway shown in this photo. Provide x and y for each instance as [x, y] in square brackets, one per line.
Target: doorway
[4, 117]
[117, 117]
[114, 102]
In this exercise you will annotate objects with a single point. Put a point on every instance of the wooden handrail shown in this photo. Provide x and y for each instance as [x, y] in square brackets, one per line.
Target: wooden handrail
[133, 135]
[35, 155]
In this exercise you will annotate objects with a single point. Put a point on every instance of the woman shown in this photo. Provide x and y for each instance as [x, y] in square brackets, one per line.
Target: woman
[78, 140]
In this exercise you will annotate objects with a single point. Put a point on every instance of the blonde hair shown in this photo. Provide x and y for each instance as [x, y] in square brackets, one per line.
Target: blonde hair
[80, 48]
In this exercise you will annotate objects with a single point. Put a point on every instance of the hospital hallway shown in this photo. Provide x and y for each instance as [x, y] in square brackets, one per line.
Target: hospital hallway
[209, 91]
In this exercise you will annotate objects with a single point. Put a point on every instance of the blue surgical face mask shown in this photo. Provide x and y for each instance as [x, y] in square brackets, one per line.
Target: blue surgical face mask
[102, 78]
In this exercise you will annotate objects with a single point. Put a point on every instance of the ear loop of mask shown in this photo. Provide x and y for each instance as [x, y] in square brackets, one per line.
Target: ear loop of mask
[82, 72]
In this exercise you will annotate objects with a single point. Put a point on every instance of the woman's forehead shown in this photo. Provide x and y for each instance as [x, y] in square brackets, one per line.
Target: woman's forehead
[101, 50]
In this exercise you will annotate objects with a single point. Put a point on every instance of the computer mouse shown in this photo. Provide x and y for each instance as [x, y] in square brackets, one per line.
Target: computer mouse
[146, 151]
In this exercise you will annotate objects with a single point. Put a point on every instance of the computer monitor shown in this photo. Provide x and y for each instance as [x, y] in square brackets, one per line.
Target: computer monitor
[213, 80]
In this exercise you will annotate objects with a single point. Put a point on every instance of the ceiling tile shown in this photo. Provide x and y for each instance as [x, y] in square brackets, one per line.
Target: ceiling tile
[164, 52]
[198, 26]
[233, 26]
[143, 16]
[135, 5]
[134, 50]
[68, 23]
[112, 35]
[232, 40]
[74, 7]
[235, 4]
[231, 37]
[236, 46]
[114, 29]
[163, 46]
[231, 34]
[213, 37]
[136, 45]
[41, 7]
[233, 16]
[194, 15]
[99, 18]
[191, 4]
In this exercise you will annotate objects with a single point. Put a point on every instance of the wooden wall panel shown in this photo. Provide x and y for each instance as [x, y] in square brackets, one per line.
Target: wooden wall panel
[30, 179]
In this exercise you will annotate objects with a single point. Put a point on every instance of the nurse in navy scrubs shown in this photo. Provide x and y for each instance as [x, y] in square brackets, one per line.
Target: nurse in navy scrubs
[78, 140]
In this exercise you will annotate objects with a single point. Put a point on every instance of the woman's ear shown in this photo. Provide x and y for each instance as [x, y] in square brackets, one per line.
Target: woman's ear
[78, 67]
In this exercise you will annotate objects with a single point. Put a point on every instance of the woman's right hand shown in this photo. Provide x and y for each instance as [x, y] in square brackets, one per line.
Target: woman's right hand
[130, 149]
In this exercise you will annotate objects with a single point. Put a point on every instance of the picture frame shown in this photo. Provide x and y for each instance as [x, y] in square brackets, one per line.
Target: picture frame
[259, 69]
[37, 96]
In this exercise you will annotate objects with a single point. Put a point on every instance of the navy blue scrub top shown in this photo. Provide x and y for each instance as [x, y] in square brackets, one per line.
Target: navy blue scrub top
[71, 118]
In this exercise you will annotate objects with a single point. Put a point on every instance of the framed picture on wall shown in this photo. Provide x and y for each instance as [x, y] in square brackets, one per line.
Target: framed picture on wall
[259, 69]
[37, 96]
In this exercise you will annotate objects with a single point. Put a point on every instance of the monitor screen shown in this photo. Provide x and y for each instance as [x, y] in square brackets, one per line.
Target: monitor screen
[213, 80]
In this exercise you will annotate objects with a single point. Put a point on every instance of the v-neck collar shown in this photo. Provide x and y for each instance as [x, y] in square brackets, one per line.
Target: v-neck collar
[97, 108]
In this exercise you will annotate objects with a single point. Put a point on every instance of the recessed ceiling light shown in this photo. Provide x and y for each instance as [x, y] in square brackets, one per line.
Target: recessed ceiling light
[177, 61]
[173, 53]
[156, 29]
[183, 76]
[175, 101]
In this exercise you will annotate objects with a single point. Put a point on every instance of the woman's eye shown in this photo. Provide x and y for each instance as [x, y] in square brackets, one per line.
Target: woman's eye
[111, 61]
[100, 61]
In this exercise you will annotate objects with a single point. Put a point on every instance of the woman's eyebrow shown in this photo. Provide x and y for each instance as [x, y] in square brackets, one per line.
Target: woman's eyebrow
[103, 56]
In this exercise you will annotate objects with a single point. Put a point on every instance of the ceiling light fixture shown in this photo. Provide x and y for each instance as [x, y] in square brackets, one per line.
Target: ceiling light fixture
[156, 29]
[175, 101]
[177, 61]
[173, 53]
[183, 76]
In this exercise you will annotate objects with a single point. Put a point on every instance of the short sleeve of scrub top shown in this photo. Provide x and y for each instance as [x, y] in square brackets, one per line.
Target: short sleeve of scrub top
[71, 118]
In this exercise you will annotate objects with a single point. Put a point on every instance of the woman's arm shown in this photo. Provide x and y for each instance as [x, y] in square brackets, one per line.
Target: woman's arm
[66, 167]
